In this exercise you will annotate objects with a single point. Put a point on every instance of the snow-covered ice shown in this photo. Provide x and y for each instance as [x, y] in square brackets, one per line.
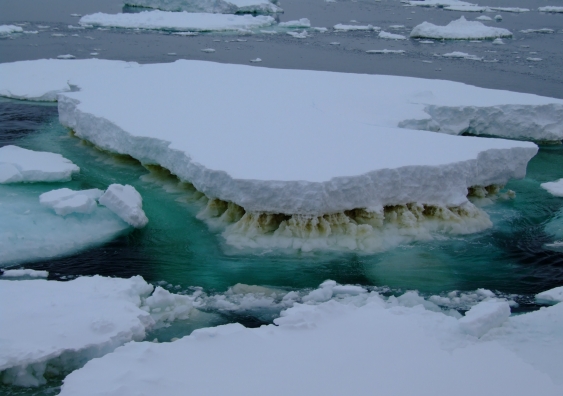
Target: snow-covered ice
[50, 326]
[177, 21]
[19, 165]
[9, 29]
[550, 9]
[462, 55]
[65, 201]
[126, 202]
[370, 336]
[509, 9]
[342, 27]
[484, 316]
[554, 188]
[484, 18]
[350, 184]
[459, 29]
[299, 23]
[391, 36]
[552, 296]
[211, 6]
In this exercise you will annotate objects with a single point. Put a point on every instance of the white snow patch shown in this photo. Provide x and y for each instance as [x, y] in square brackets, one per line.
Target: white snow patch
[177, 21]
[554, 188]
[126, 202]
[9, 29]
[552, 296]
[459, 29]
[371, 335]
[391, 36]
[19, 165]
[50, 326]
[484, 316]
[214, 6]
[65, 201]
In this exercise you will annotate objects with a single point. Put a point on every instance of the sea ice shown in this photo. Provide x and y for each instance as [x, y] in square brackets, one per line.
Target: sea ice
[21, 273]
[440, 3]
[459, 29]
[394, 178]
[484, 18]
[385, 51]
[543, 30]
[341, 27]
[65, 201]
[391, 36]
[177, 21]
[509, 9]
[466, 8]
[9, 29]
[461, 55]
[373, 336]
[68, 56]
[484, 316]
[19, 165]
[298, 35]
[50, 326]
[552, 296]
[211, 6]
[498, 41]
[555, 188]
[300, 23]
[126, 202]
[550, 9]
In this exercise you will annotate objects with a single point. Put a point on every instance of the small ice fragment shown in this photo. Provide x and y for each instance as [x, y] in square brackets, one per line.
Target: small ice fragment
[125, 202]
[391, 36]
[43, 27]
[300, 23]
[498, 41]
[256, 60]
[241, 40]
[268, 31]
[426, 42]
[58, 35]
[320, 29]
[67, 56]
[298, 35]
[187, 34]
[551, 9]
[462, 55]
[554, 188]
[208, 50]
[171, 53]
[543, 31]
[534, 59]
[353, 21]
[427, 61]
[498, 18]
[93, 53]
[552, 296]
[396, 26]
[385, 51]
[65, 201]
[76, 15]
[30, 32]
[484, 18]
[484, 316]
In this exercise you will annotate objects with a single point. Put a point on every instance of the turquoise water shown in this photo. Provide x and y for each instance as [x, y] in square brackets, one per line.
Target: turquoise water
[178, 248]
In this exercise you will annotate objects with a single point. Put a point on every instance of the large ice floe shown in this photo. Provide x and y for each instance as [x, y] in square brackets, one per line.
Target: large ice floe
[343, 339]
[459, 29]
[9, 29]
[52, 328]
[213, 6]
[177, 21]
[19, 165]
[307, 172]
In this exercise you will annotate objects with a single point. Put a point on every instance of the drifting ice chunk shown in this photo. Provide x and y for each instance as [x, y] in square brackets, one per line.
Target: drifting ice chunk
[484, 316]
[301, 23]
[462, 55]
[125, 202]
[555, 188]
[19, 165]
[440, 3]
[509, 9]
[460, 29]
[391, 36]
[212, 6]
[20, 273]
[345, 28]
[385, 51]
[498, 41]
[65, 201]
[374, 339]
[544, 31]
[484, 18]
[9, 29]
[50, 326]
[550, 9]
[552, 296]
[177, 21]
[68, 56]
[467, 8]
[301, 35]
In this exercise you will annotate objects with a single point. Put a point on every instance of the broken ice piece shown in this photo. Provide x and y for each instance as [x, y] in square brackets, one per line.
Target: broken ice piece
[126, 202]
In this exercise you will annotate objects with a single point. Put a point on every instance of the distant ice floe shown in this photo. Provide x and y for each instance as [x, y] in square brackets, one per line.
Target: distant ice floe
[484, 18]
[554, 188]
[75, 321]
[9, 29]
[460, 29]
[550, 9]
[385, 51]
[391, 36]
[300, 23]
[19, 165]
[177, 21]
[67, 56]
[543, 30]
[550, 297]
[390, 184]
[211, 6]
[299, 35]
[346, 28]
[374, 335]
[462, 55]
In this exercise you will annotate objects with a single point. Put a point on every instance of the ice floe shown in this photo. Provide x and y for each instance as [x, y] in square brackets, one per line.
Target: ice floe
[550, 9]
[9, 29]
[385, 51]
[67, 56]
[126, 202]
[391, 36]
[440, 3]
[65, 201]
[543, 30]
[466, 8]
[552, 296]
[498, 41]
[484, 18]
[345, 28]
[300, 23]
[554, 188]
[177, 21]
[19, 165]
[23, 273]
[374, 336]
[462, 55]
[50, 326]
[459, 29]
[299, 35]
[211, 6]
[394, 179]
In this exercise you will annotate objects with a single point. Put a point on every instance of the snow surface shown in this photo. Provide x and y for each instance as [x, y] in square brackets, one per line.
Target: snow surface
[550, 9]
[57, 326]
[177, 21]
[211, 6]
[552, 296]
[345, 176]
[19, 165]
[65, 201]
[459, 29]
[9, 29]
[485, 316]
[126, 202]
[554, 188]
[350, 344]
